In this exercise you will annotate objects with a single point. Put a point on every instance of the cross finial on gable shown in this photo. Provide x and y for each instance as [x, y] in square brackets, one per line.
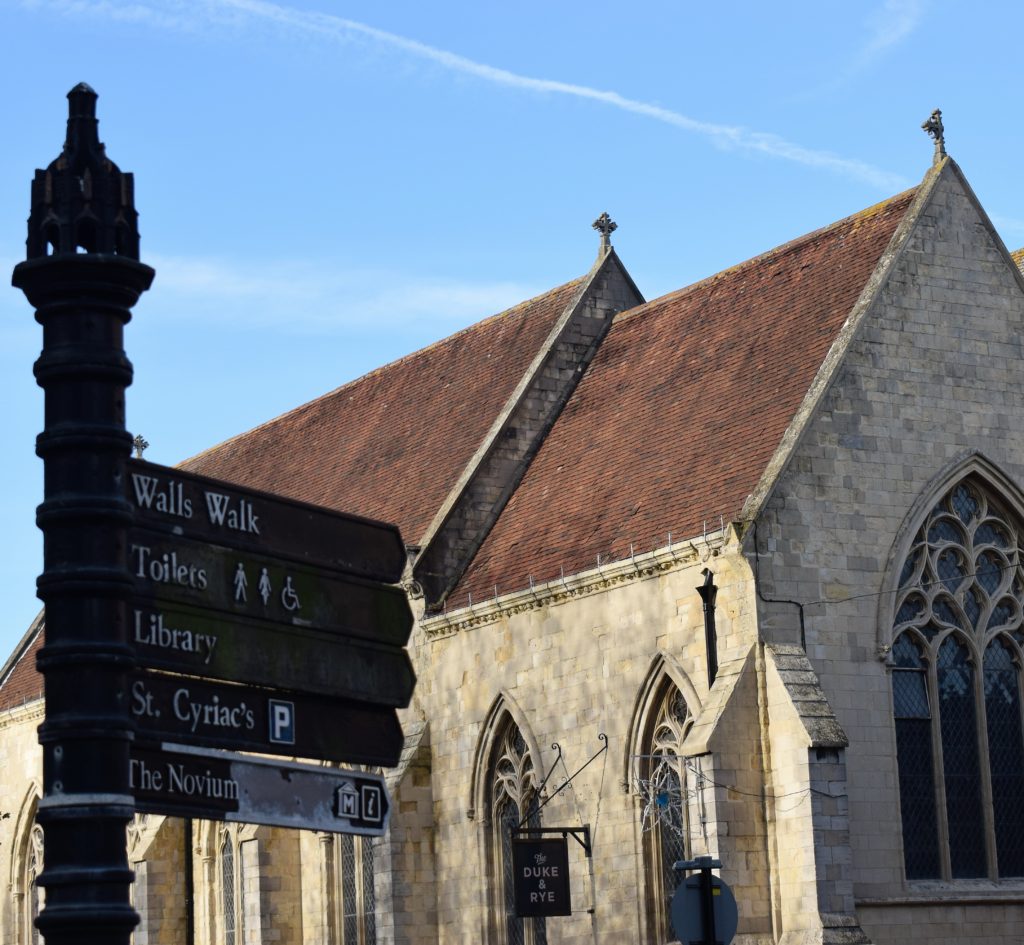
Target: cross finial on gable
[605, 225]
[934, 127]
[141, 445]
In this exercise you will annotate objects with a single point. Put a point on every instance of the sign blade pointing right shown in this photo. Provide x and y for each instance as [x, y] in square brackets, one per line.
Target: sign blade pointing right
[193, 782]
[198, 507]
[244, 718]
[190, 640]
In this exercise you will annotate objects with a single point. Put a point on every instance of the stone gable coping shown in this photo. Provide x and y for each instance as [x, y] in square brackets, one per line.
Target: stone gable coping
[807, 698]
[582, 584]
[829, 368]
[701, 738]
[495, 469]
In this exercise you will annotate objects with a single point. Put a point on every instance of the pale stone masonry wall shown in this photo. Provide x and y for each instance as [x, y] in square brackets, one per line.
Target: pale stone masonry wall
[933, 373]
[158, 858]
[568, 670]
[404, 859]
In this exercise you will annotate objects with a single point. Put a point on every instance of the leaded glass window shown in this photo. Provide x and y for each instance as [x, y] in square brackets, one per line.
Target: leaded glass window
[513, 791]
[1006, 753]
[353, 869]
[914, 749]
[956, 661]
[228, 890]
[667, 826]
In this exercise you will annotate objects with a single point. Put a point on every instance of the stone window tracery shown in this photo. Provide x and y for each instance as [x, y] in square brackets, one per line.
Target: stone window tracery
[956, 658]
[33, 902]
[513, 791]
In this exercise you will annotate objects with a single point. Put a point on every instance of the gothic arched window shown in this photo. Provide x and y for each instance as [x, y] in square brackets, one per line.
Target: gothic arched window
[513, 796]
[665, 813]
[956, 658]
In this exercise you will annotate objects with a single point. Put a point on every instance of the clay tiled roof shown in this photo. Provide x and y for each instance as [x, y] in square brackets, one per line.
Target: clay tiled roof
[20, 681]
[1018, 257]
[392, 444]
[682, 409]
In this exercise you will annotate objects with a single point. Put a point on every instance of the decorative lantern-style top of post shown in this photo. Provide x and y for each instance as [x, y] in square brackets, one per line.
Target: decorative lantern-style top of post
[82, 203]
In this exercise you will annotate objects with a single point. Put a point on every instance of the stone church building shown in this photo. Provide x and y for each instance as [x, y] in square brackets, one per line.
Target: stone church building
[745, 559]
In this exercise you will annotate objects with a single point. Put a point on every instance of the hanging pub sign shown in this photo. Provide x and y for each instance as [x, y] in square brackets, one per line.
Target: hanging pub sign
[541, 869]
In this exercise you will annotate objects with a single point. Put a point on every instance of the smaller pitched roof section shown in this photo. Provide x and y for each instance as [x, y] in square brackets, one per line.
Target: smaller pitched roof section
[392, 444]
[1018, 258]
[682, 409]
[20, 681]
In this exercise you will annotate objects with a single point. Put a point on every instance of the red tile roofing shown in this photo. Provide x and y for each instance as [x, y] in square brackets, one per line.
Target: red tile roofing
[682, 408]
[1018, 257]
[392, 444]
[23, 682]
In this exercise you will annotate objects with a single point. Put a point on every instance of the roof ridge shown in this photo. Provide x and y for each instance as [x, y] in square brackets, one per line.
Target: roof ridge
[419, 352]
[783, 249]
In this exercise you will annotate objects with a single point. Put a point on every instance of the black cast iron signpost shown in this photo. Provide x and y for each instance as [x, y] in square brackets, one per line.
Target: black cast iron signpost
[184, 616]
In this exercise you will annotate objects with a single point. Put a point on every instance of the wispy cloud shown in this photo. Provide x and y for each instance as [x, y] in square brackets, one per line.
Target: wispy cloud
[237, 14]
[890, 25]
[305, 298]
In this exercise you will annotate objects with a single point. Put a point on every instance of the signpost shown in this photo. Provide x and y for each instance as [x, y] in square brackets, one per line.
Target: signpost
[182, 639]
[277, 619]
[181, 503]
[180, 570]
[271, 721]
[208, 784]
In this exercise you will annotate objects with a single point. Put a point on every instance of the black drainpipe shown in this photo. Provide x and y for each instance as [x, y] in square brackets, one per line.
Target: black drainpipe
[708, 593]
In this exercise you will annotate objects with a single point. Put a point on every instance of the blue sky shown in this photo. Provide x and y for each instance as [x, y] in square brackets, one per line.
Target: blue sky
[326, 186]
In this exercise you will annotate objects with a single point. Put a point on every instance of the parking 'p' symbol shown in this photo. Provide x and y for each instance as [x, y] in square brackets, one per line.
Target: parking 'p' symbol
[282, 722]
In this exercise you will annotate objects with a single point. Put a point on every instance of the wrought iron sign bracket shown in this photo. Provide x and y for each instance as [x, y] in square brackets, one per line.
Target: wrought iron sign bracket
[580, 834]
[602, 738]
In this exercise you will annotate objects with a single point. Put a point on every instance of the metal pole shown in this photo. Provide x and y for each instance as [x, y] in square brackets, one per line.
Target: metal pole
[707, 906]
[82, 276]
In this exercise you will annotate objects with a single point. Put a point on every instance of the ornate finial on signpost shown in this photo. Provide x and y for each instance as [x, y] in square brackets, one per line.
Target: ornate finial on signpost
[933, 126]
[605, 225]
[82, 203]
[141, 444]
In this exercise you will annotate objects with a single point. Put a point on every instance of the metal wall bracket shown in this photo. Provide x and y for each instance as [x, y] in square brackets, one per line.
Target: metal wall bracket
[580, 834]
